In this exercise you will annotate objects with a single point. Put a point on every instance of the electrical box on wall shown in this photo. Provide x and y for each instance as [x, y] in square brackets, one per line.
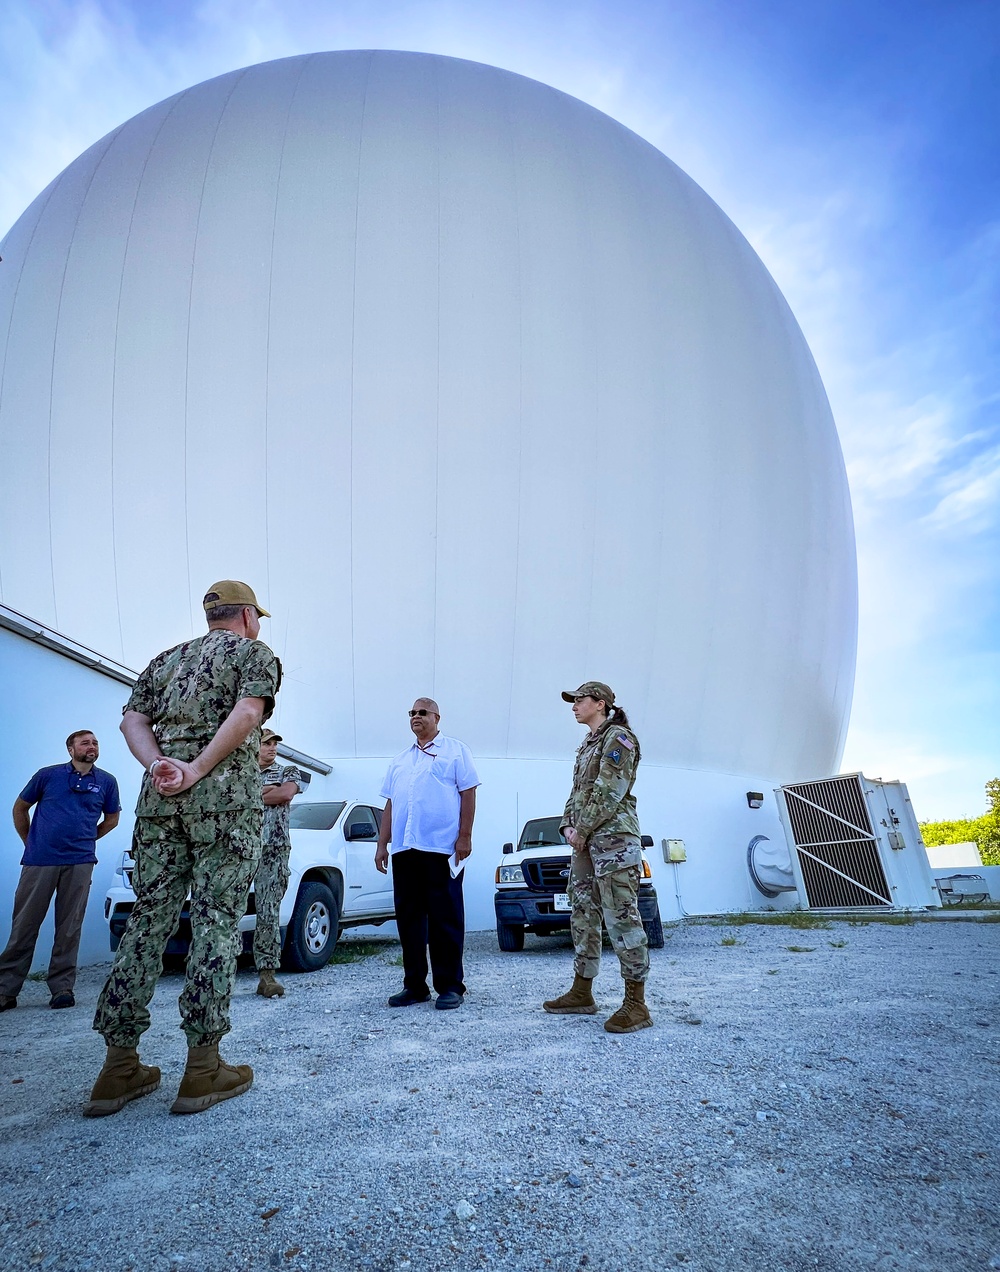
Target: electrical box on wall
[673, 850]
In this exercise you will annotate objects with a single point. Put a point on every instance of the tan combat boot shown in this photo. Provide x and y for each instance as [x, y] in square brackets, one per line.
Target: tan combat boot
[268, 987]
[579, 1001]
[633, 1014]
[123, 1078]
[208, 1079]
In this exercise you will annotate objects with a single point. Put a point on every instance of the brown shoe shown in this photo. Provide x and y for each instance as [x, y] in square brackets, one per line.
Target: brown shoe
[579, 1001]
[633, 1014]
[123, 1078]
[268, 987]
[208, 1080]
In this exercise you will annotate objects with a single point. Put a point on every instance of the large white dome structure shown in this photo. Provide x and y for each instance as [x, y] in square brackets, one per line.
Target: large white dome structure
[481, 393]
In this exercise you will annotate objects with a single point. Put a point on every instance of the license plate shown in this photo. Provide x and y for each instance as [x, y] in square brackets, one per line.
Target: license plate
[561, 901]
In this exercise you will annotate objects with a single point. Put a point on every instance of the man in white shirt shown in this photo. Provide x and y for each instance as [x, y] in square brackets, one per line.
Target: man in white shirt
[430, 790]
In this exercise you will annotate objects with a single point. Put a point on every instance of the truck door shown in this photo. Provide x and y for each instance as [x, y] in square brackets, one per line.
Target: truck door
[368, 891]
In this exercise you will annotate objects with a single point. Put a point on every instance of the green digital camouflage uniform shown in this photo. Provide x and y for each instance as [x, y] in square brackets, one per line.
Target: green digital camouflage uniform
[604, 874]
[271, 879]
[206, 840]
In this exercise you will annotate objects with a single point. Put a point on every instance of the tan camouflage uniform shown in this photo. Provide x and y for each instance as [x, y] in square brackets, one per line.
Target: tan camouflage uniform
[271, 879]
[604, 874]
[206, 839]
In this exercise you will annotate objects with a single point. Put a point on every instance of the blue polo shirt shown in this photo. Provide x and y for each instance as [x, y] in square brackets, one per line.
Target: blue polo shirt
[69, 805]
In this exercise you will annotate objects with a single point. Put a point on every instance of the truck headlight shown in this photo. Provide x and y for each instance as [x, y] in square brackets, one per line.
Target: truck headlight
[510, 874]
[646, 872]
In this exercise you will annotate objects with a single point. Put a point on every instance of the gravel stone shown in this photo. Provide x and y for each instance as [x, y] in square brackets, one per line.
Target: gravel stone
[819, 1119]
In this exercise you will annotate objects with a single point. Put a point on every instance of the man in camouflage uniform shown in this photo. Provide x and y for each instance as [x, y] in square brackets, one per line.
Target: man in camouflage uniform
[280, 783]
[193, 723]
[601, 826]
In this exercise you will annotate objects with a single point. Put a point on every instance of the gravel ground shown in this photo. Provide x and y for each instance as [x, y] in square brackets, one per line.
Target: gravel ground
[833, 1107]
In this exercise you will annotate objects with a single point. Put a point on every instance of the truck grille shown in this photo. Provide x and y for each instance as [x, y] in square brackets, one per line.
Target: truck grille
[549, 875]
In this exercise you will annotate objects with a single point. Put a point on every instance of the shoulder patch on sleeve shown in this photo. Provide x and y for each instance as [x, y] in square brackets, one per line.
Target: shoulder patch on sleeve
[615, 755]
[625, 741]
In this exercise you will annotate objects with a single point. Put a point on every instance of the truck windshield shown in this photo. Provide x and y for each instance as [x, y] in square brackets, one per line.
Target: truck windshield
[316, 816]
[543, 832]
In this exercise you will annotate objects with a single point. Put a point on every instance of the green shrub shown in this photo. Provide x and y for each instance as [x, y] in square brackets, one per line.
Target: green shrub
[983, 831]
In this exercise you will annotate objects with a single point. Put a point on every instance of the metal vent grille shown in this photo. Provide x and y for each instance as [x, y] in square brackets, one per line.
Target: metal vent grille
[836, 845]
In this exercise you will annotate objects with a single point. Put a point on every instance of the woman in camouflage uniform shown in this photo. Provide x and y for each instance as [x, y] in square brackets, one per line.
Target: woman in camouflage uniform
[601, 826]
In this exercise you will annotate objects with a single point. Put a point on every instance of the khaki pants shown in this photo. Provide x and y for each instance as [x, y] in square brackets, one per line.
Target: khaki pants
[71, 884]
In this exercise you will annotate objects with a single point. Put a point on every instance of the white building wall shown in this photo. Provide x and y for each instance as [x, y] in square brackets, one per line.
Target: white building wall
[953, 856]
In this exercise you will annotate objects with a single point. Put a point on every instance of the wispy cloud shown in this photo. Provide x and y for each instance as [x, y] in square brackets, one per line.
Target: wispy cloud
[972, 502]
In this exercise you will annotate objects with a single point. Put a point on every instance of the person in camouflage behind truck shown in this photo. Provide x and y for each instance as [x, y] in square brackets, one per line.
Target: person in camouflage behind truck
[280, 784]
[601, 826]
[193, 723]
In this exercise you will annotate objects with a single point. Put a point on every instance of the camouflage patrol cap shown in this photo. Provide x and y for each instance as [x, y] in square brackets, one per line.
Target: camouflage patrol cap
[591, 689]
[232, 592]
[269, 735]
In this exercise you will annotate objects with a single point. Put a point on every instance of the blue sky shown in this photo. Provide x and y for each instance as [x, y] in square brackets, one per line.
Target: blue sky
[854, 145]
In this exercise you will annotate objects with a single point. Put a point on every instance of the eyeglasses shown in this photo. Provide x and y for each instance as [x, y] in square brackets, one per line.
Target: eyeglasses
[421, 711]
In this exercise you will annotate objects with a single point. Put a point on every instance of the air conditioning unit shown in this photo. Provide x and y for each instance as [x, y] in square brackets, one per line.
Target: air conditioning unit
[855, 844]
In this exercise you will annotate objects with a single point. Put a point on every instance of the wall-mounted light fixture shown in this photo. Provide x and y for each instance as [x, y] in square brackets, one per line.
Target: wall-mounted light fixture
[755, 798]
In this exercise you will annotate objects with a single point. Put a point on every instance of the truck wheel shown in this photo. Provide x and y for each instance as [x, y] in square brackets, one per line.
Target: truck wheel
[510, 937]
[654, 933]
[314, 928]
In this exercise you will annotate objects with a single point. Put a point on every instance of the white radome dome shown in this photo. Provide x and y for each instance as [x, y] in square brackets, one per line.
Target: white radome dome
[481, 393]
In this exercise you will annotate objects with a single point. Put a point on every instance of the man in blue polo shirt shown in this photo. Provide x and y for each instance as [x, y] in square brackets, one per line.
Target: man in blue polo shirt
[75, 805]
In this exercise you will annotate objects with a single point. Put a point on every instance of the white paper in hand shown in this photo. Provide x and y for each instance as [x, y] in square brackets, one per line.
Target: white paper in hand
[455, 866]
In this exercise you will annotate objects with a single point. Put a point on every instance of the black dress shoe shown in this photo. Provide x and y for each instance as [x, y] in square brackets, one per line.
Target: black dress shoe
[407, 998]
[62, 1000]
[447, 1002]
[7, 1003]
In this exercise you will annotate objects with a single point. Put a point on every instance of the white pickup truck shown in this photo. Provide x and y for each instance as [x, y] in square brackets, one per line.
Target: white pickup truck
[531, 883]
[333, 885]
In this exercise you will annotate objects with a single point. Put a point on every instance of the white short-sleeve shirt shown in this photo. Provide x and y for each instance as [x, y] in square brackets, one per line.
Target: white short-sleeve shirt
[424, 785]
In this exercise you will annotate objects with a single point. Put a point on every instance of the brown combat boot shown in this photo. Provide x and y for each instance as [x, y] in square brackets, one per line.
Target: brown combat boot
[208, 1079]
[268, 987]
[633, 1014]
[579, 1001]
[123, 1078]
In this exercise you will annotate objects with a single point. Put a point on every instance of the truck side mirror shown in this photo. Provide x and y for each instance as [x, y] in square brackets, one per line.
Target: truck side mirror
[361, 830]
[508, 847]
[647, 841]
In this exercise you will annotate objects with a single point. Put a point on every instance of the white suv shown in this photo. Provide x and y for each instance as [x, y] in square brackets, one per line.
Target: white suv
[333, 885]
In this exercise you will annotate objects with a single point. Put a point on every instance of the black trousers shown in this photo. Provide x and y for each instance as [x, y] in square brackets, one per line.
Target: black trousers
[430, 912]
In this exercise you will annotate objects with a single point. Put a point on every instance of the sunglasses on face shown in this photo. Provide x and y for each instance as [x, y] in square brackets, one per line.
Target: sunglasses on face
[420, 711]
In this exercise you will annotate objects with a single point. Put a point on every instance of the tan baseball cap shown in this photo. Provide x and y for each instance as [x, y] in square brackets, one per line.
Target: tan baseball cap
[591, 689]
[232, 592]
[269, 735]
